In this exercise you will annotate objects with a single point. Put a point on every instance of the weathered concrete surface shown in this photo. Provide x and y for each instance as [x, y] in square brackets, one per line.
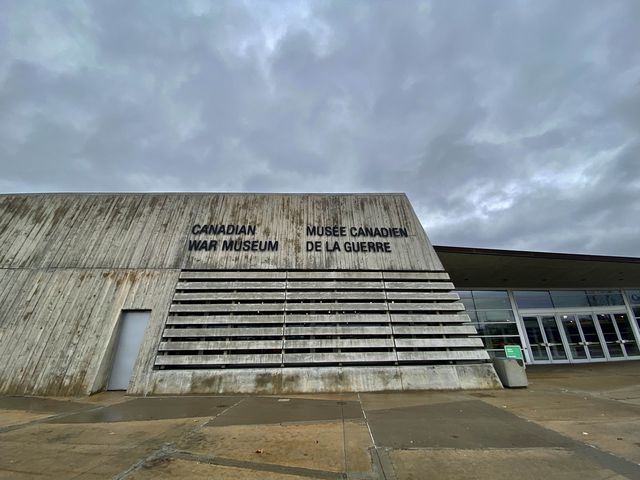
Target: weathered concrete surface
[71, 263]
[573, 422]
[275, 381]
[500, 464]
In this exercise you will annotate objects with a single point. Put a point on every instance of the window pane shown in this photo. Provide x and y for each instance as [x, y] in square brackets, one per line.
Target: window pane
[495, 316]
[604, 298]
[636, 311]
[495, 343]
[533, 299]
[466, 299]
[633, 296]
[569, 298]
[497, 329]
[491, 299]
[468, 303]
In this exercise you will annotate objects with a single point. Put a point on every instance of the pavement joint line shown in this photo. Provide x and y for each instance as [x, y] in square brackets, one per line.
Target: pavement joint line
[376, 460]
[364, 414]
[257, 466]
[344, 439]
[212, 419]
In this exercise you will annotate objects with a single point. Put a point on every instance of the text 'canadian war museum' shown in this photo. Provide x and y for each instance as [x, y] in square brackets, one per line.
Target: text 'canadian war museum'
[221, 293]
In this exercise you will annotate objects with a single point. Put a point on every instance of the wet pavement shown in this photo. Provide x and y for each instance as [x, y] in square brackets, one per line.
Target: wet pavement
[573, 422]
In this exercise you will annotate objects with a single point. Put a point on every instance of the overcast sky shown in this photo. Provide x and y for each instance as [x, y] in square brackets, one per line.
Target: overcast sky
[509, 124]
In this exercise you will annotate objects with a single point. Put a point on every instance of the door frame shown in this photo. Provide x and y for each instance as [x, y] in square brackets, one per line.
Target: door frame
[593, 312]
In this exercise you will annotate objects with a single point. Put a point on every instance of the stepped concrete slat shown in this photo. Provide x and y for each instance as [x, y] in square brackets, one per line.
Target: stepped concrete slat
[400, 285]
[339, 343]
[222, 345]
[224, 319]
[335, 307]
[233, 285]
[173, 360]
[426, 296]
[339, 357]
[322, 295]
[426, 318]
[321, 285]
[338, 330]
[455, 355]
[434, 330]
[438, 342]
[432, 306]
[221, 332]
[227, 296]
[226, 307]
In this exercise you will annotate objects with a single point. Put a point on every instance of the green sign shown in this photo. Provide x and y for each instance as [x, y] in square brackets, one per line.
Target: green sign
[513, 351]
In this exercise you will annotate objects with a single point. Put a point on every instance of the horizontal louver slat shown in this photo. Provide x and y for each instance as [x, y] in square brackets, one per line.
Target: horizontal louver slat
[248, 319]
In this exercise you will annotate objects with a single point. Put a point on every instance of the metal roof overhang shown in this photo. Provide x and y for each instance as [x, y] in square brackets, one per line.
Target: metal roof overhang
[489, 268]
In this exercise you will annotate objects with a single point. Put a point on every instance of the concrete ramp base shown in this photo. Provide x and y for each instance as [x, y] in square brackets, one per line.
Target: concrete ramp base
[322, 379]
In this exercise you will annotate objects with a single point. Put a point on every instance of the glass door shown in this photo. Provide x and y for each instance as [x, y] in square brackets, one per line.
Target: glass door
[575, 340]
[537, 342]
[612, 339]
[554, 338]
[545, 339]
[580, 337]
[592, 341]
[618, 335]
[583, 341]
[629, 341]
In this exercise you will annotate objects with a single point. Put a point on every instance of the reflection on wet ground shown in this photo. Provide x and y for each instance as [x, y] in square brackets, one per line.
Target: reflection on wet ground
[154, 408]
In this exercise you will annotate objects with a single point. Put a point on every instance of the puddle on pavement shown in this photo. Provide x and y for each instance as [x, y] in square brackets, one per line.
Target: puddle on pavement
[41, 405]
[157, 408]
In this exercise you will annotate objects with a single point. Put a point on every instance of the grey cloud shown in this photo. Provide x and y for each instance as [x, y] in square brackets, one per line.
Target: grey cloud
[509, 124]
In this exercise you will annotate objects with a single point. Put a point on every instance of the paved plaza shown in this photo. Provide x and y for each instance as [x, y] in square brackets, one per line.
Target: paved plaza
[573, 422]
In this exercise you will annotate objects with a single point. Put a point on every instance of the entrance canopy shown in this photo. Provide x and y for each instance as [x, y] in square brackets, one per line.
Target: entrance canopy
[490, 268]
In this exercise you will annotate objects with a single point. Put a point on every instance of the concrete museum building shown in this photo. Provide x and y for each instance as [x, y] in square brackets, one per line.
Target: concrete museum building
[220, 293]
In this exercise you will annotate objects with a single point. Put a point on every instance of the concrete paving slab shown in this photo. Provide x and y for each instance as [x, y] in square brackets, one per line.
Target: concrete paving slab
[51, 460]
[338, 397]
[560, 405]
[17, 417]
[462, 434]
[387, 400]
[318, 446]
[177, 468]
[265, 410]
[497, 464]
[357, 447]
[156, 408]
[621, 438]
[461, 424]
[129, 435]
[589, 377]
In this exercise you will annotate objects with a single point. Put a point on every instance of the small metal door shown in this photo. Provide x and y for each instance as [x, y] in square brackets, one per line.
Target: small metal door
[131, 332]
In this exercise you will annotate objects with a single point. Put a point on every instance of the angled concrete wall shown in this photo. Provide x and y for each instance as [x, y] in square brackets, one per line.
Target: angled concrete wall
[247, 292]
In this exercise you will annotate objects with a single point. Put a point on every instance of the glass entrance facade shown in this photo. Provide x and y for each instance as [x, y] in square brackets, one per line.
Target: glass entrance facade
[580, 337]
[558, 326]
